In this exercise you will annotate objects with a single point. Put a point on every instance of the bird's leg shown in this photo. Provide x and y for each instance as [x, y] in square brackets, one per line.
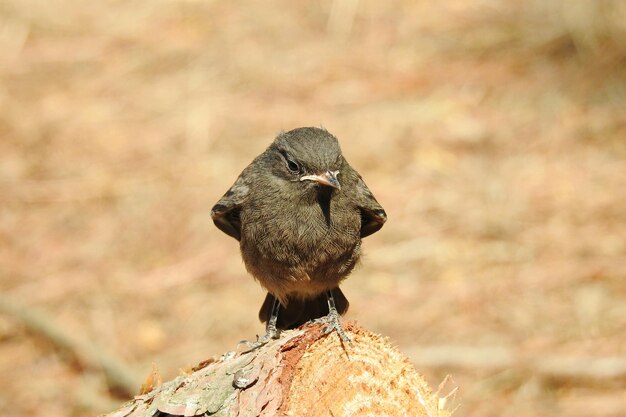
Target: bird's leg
[271, 331]
[332, 319]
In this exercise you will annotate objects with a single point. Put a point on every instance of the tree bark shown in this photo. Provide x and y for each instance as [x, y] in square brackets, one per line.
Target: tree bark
[303, 373]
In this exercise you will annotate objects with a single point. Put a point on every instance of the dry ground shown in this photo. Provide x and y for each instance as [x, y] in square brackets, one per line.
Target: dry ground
[495, 137]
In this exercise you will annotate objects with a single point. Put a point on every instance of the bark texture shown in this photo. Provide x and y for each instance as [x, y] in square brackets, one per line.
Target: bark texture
[304, 373]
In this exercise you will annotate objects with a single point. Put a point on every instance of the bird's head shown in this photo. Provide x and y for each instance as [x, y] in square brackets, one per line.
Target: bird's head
[309, 156]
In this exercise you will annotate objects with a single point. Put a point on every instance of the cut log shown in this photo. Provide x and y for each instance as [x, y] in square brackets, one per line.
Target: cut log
[303, 373]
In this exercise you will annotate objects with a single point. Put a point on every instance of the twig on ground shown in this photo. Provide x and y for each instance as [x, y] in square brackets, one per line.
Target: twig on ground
[555, 367]
[86, 354]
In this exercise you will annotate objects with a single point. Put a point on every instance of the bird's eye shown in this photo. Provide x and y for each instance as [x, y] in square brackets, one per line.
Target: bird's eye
[293, 166]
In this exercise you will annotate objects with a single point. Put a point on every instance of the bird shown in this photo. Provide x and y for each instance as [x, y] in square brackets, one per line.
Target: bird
[299, 212]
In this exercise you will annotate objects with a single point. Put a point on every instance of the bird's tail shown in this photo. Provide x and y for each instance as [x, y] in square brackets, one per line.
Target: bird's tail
[298, 312]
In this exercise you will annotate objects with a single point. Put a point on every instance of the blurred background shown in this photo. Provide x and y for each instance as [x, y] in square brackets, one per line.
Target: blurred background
[493, 133]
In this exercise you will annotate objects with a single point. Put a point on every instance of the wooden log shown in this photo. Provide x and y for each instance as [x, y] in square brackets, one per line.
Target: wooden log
[303, 373]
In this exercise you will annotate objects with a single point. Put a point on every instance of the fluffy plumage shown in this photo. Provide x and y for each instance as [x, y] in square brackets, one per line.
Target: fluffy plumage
[299, 211]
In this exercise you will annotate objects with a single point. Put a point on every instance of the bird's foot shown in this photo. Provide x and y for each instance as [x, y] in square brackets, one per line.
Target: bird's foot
[270, 334]
[271, 330]
[332, 323]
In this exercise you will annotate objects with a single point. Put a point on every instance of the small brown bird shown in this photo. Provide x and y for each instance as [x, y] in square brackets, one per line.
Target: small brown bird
[299, 212]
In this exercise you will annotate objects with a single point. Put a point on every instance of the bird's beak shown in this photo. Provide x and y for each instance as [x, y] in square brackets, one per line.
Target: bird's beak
[328, 178]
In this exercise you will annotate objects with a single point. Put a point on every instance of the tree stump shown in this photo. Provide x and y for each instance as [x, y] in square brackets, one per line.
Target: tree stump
[303, 373]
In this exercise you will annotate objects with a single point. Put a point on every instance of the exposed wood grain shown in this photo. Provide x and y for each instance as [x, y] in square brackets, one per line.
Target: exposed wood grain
[304, 373]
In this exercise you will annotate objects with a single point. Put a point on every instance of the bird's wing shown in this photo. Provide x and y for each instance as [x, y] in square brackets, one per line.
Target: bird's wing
[373, 215]
[225, 213]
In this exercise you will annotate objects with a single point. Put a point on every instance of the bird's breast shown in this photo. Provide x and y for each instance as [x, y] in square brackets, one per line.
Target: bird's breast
[297, 248]
[308, 240]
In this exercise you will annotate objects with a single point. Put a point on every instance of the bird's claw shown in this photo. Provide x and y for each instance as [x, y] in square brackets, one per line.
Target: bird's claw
[333, 323]
[270, 334]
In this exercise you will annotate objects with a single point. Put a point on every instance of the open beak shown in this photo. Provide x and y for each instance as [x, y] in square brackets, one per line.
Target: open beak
[328, 178]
